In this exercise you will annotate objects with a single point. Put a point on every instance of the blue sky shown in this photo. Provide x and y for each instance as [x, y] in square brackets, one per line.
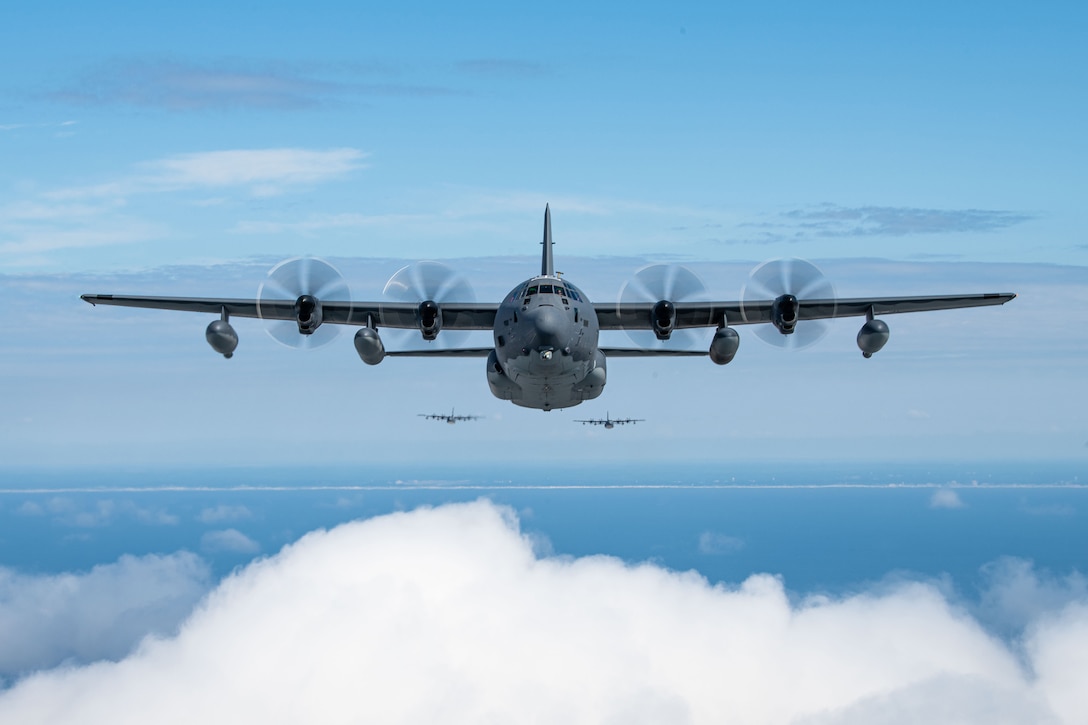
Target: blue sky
[185, 149]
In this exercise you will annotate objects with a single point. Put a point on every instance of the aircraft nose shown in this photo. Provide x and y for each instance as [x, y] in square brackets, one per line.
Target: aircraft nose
[550, 325]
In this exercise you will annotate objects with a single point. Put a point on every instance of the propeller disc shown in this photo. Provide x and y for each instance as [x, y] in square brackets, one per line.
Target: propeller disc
[788, 276]
[289, 280]
[669, 282]
[420, 282]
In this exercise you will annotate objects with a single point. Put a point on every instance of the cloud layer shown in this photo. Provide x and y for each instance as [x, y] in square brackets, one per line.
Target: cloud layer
[450, 615]
[101, 614]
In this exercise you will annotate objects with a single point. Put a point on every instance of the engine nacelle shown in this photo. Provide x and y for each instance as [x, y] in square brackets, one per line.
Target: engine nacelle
[222, 337]
[872, 337]
[430, 319]
[784, 313]
[307, 314]
[663, 319]
[723, 348]
[369, 346]
[502, 387]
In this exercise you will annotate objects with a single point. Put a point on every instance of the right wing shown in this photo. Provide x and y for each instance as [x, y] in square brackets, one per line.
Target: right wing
[401, 315]
[638, 316]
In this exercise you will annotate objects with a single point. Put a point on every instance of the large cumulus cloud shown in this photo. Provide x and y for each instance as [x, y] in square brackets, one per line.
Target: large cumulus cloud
[449, 615]
[47, 619]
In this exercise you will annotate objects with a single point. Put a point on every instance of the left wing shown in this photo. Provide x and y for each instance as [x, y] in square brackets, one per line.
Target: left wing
[455, 315]
[640, 316]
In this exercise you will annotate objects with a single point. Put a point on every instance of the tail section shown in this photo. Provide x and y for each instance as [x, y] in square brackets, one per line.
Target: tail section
[547, 267]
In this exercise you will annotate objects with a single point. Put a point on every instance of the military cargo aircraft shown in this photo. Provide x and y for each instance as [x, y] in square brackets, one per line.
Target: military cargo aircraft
[546, 352]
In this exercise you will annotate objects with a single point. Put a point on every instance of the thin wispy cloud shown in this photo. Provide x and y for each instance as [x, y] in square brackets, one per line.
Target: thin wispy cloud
[228, 540]
[830, 220]
[381, 621]
[265, 171]
[226, 85]
[946, 498]
[827, 221]
[65, 511]
[103, 213]
[716, 544]
[224, 513]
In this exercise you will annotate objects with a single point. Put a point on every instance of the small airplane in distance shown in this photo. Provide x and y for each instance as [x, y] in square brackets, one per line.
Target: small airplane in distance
[451, 418]
[546, 352]
[608, 422]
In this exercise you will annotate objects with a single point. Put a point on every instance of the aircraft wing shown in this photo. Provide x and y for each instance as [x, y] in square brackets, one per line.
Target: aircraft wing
[455, 316]
[637, 316]
[650, 352]
[442, 352]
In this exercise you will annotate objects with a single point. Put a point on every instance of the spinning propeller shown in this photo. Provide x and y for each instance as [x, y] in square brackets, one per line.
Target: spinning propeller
[667, 284]
[427, 284]
[306, 281]
[788, 281]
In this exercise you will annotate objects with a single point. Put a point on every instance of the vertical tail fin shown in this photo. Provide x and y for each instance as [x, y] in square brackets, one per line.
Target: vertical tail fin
[547, 267]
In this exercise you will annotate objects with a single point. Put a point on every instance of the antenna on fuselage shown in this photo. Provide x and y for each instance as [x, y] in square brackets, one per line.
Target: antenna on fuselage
[547, 268]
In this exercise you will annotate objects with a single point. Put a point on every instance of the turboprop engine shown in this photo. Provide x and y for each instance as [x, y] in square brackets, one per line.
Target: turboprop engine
[307, 314]
[784, 313]
[430, 319]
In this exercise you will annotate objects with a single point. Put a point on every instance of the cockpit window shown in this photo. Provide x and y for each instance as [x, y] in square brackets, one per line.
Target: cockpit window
[546, 289]
[530, 291]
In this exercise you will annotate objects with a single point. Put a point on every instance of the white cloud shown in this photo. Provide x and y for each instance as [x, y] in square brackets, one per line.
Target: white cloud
[217, 514]
[265, 170]
[46, 620]
[231, 540]
[102, 512]
[714, 543]
[448, 615]
[946, 498]
[1016, 594]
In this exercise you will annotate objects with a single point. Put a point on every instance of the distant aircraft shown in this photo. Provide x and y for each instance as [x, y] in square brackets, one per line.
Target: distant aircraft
[546, 353]
[451, 418]
[609, 422]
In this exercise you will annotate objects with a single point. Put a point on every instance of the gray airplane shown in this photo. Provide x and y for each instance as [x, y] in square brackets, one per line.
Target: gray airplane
[609, 422]
[546, 353]
[449, 418]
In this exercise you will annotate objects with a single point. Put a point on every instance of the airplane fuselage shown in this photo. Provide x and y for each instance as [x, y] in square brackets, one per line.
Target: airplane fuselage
[546, 353]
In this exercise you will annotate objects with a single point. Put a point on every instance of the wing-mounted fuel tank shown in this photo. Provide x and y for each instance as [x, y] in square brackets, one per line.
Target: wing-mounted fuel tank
[369, 345]
[723, 348]
[221, 336]
[872, 336]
